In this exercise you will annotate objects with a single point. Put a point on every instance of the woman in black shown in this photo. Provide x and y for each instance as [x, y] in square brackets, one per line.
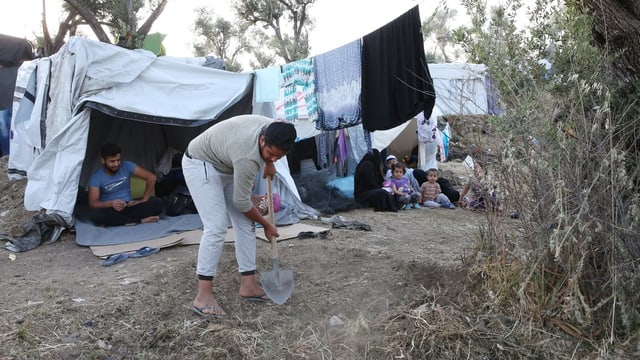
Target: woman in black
[367, 189]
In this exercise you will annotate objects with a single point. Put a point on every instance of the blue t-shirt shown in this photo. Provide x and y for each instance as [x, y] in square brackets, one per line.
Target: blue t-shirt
[114, 187]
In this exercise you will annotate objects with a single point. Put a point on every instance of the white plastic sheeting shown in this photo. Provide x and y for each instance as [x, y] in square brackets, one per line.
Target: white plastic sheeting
[88, 71]
[460, 88]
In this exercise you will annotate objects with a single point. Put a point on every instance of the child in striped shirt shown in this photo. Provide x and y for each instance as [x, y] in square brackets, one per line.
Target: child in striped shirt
[430, 193]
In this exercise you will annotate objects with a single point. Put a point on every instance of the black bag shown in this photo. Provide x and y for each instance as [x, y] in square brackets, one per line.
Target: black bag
[448, 189]
[180, 202]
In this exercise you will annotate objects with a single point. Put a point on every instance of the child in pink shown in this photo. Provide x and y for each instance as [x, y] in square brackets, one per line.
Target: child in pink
[431, 194]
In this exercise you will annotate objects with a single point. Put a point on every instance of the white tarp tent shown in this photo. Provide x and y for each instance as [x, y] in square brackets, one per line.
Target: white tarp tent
[55, 143]
[461, 89]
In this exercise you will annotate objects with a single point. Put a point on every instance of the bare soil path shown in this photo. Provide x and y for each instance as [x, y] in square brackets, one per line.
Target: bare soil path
[60, 303]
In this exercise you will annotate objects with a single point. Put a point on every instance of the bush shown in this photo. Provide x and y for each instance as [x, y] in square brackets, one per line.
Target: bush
[569, 168]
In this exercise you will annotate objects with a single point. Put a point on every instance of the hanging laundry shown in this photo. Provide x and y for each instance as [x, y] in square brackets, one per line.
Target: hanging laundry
[343, 152]
[427, 128]
[299, 73]
[267, 84]
[396, 84]
[321, 144]
[338, 87]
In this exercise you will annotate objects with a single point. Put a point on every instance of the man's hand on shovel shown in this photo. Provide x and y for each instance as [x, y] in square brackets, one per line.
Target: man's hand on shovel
[270, 231]
[269, 170]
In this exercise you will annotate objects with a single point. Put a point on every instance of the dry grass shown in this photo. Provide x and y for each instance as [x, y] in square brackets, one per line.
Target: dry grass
[424, 284]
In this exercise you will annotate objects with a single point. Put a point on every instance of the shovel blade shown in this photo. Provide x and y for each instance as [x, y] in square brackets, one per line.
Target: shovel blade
[278, 284]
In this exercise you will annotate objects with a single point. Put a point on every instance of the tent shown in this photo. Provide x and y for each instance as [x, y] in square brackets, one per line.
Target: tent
[461, 89]
[98, 92]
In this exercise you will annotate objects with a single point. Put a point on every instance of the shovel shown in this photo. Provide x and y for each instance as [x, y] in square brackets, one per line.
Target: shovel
[278, 283]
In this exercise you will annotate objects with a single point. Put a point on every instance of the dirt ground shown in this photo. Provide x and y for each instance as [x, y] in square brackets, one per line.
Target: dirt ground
[60, 303]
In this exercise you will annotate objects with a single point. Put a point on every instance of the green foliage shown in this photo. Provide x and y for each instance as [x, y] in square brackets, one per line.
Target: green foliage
[436, 28]
[274, 17]
[261, 32]
[115, 15]
[120, 18]
[569, 167]
[221, 38]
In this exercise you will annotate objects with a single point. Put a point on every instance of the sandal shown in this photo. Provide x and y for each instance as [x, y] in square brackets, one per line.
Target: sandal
[214, 311]
[257, 298]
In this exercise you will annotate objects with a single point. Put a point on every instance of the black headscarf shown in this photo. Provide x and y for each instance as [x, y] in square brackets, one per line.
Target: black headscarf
[368, 174]
[367, 184]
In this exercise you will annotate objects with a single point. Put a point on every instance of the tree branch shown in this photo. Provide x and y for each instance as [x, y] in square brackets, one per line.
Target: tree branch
[91, 20]
[146, 27]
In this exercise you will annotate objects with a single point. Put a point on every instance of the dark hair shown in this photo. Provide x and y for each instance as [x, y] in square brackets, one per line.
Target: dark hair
[109, 149]
[431, 171]
[279, 134]
[398, 165]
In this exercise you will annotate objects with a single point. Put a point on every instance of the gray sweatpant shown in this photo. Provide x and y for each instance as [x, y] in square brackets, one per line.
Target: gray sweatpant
[440, 199]
[212, 193]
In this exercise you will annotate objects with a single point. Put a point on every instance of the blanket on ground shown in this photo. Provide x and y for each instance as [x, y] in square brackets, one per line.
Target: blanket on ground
[88, 234]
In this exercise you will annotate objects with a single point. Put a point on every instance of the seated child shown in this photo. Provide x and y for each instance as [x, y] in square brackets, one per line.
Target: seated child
[431, 193]
[401, 188]
[474, 195]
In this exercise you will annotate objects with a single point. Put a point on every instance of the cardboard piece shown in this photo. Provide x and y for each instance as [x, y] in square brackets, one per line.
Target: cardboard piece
[193, 238]
[184, 238]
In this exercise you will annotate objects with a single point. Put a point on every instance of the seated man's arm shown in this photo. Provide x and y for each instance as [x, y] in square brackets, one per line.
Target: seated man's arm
[95, 203]
[150, 179]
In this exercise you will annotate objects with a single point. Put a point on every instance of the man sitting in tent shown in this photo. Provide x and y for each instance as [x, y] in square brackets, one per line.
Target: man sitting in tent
[110, 200]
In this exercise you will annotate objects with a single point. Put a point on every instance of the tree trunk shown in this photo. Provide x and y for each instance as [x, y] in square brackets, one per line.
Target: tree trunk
[91, 20]
[144, 29]
[51, 46]
[617, 29]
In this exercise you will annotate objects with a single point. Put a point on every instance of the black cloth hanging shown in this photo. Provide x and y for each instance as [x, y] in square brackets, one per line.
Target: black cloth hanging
[13, 51]
[396, 84]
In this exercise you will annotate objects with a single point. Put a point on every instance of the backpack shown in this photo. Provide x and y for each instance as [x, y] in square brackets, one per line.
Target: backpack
[180, 202]
[447, 188]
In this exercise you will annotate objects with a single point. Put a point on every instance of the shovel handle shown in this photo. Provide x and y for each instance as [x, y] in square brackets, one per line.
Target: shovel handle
[273, 240]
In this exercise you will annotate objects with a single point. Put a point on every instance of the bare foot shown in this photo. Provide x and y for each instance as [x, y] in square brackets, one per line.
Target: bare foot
[249, 288]
[150, 219]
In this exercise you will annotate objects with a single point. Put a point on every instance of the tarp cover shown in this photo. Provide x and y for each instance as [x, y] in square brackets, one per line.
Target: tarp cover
[129, 84]
[461, 88]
